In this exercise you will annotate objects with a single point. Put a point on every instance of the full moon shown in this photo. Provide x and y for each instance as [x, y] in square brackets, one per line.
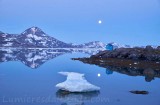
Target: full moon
[100, 21]
[98, 74]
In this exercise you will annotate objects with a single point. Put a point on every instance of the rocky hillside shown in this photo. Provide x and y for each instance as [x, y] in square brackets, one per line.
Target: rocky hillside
[147, 53]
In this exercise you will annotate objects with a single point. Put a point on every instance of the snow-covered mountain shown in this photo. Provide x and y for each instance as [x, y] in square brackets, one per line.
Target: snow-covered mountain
[35, 37]
[94, 44]
[116, 45]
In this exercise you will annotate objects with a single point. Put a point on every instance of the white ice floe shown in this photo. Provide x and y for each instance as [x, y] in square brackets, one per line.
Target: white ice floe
[76, 83]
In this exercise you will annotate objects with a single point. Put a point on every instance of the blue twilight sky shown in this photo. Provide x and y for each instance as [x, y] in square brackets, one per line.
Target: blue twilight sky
[133, 22]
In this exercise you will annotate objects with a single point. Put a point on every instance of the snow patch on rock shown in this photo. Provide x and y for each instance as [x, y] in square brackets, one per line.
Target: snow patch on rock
[34, 36]
[8, 44]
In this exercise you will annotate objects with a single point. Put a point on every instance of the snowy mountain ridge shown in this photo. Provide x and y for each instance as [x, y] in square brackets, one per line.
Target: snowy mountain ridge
[116, 45]
[35, 37]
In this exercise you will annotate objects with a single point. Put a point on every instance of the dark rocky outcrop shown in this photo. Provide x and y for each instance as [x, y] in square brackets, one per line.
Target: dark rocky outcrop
[158, 48]
[147, 53]
[139, 92]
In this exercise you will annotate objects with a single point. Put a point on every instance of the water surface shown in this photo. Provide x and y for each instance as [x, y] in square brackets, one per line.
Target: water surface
[28, 77]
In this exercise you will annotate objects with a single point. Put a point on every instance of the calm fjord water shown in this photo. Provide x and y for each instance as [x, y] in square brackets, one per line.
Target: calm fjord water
[30, 79]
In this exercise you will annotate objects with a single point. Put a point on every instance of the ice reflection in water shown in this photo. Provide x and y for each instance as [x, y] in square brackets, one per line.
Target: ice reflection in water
[76, 98]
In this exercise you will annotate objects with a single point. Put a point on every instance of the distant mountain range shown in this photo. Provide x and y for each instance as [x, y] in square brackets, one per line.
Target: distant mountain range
[116, 45]
[35, 37]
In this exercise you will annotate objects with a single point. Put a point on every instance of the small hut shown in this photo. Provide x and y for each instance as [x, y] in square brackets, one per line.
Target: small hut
[109, 47]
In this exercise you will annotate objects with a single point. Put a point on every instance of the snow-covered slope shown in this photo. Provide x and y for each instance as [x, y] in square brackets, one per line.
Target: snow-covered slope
[94, 44]
[76, 83]
[116, 45]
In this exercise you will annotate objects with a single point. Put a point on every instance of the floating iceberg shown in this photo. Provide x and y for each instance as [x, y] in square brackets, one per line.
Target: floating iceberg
[76, 83]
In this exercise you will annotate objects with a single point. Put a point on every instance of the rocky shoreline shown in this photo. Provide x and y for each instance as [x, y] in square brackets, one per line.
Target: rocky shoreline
[148, 54]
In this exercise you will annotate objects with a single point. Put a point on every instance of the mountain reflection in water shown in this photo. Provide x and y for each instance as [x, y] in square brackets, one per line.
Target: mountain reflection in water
[34, 58]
